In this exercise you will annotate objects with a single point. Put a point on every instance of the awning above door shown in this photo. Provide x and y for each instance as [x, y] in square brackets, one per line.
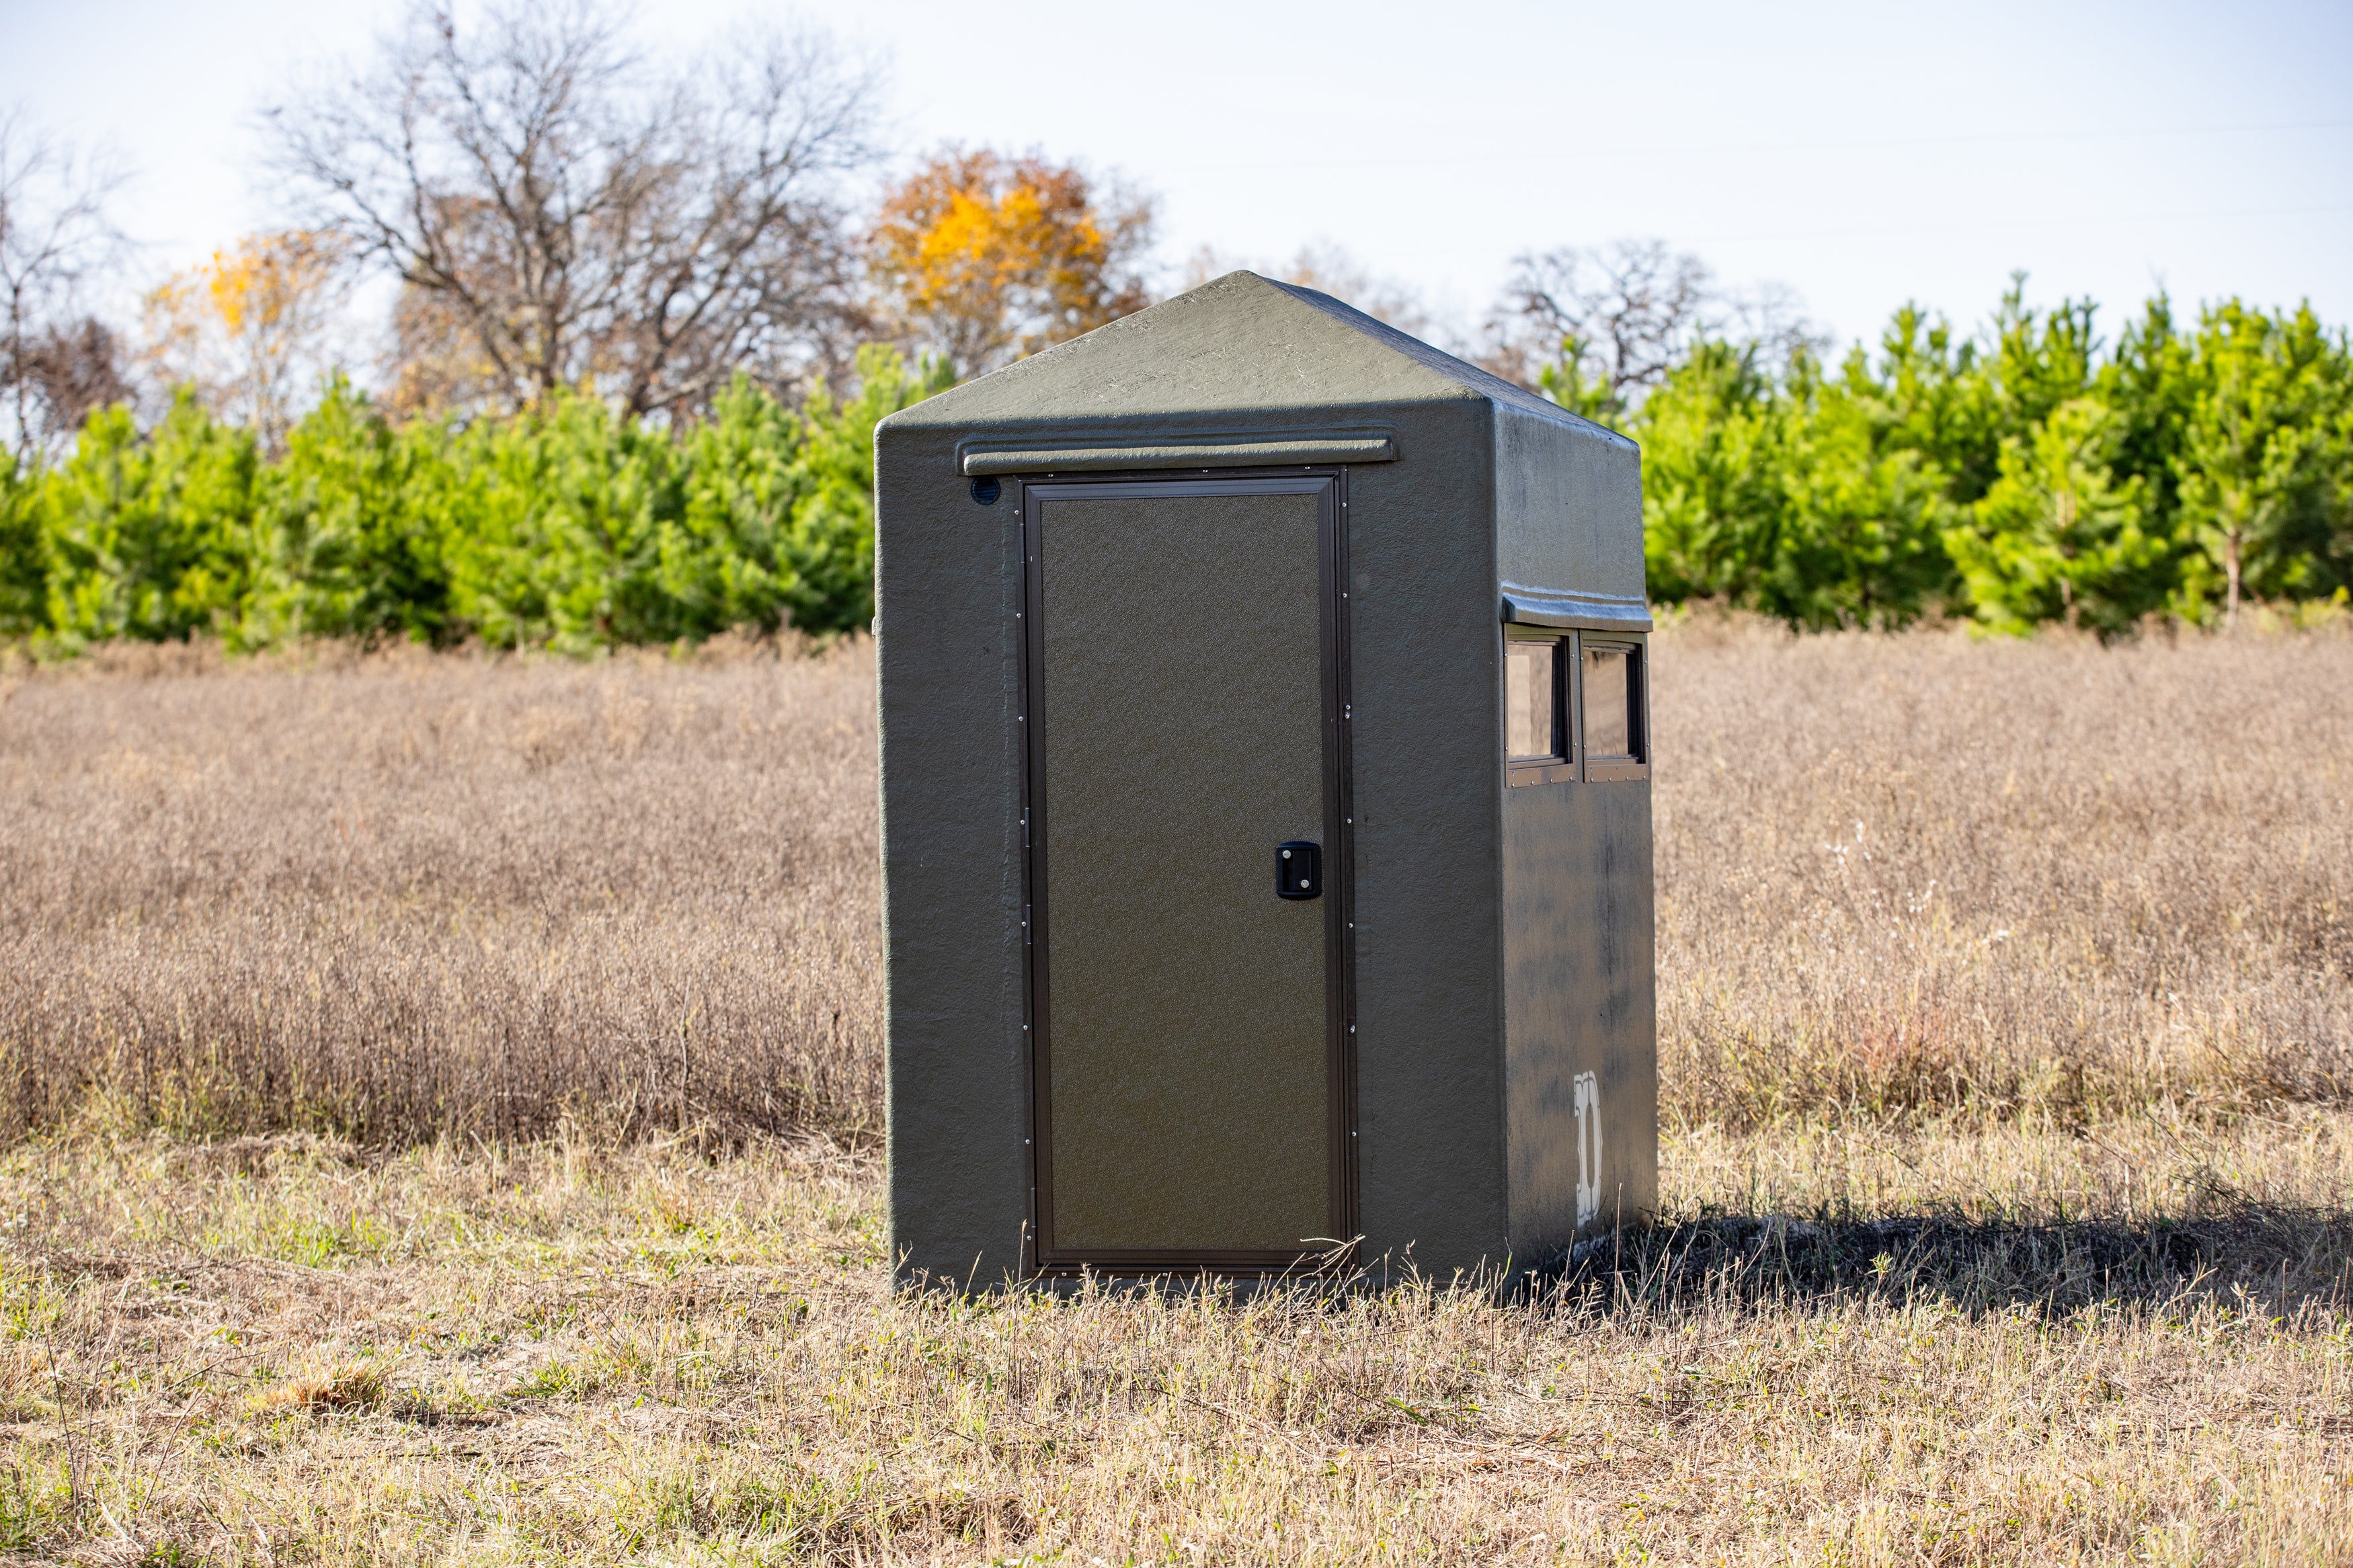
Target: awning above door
[1082, 456]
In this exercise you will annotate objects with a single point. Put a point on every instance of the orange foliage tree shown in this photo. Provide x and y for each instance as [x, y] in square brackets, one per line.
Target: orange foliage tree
[986, 258]
[252, 330]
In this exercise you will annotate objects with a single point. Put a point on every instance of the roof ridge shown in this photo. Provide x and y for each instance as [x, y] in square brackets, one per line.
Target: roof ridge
[1430, 355]
[1226, 334]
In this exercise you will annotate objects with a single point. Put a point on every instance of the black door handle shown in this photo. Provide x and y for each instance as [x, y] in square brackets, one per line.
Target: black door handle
[1298, 870]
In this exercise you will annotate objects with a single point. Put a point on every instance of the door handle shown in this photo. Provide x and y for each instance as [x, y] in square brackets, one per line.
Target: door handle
[1298, 870]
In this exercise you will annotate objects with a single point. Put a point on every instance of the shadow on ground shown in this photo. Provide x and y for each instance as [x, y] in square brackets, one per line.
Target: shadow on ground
[2245, 1254]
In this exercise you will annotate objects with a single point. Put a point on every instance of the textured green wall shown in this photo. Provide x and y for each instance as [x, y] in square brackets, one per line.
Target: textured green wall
[1579, 999]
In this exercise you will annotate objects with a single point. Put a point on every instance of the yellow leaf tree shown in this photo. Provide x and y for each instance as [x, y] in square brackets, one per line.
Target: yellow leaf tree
[252, 330]
[986, 258]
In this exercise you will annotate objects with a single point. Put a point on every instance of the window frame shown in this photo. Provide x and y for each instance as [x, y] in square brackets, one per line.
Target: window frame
[1575, 764]
[1561, 767]
[1636, 763]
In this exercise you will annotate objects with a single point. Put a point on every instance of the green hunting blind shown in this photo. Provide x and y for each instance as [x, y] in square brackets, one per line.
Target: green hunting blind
[1266, 808]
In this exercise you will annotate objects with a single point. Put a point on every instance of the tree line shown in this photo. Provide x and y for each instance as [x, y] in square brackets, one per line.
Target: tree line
[2034, 474]
[642, 320]
[565, 525]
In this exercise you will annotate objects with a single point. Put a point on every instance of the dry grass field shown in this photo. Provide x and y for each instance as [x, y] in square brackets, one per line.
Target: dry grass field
[388, 897]
[442, 1102]
[1923, 873]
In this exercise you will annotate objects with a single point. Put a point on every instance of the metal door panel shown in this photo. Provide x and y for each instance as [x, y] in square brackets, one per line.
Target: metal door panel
[1183, 1015]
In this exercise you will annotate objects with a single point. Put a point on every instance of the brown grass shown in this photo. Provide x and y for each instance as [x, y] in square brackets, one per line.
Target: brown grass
[1927, 872]
[2047, 1348]
[2005, 1178]
[348, 1385]
[391, 896]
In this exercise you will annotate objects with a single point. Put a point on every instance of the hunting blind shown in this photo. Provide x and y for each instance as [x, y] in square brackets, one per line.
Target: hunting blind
[1266, 807]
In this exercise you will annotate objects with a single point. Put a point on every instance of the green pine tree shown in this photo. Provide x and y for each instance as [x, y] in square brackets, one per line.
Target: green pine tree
[2058, 537]
[2263, 460]
[150, 537]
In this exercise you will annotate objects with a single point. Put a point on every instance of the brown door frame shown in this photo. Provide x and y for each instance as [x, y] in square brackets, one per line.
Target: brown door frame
[1329, 484]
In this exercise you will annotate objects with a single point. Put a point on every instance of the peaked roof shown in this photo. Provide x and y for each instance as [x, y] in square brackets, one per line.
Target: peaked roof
[1240, 343]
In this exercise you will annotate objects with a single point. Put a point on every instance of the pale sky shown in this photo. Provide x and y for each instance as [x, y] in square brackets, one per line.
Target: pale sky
[1862, 155]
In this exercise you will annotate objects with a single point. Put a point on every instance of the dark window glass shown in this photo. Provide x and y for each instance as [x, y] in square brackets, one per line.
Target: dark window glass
[1529, 726]
[1608, 701]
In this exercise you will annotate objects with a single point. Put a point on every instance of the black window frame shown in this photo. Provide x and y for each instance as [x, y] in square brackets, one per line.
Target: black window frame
[1635, 764]
[1561, 767]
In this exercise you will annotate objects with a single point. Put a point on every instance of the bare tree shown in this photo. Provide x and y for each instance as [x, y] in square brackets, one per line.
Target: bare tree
[1772, 317]
[1598, 329]
[55, 238]
[75, 369]
[1599, 326]
[561, 214]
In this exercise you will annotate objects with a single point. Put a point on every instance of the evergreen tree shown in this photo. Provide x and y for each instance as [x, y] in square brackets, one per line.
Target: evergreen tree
[2263, 460]
[350, 548]
[2058, 536]
[1713, 446]
[150, 537]
[24, 564]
